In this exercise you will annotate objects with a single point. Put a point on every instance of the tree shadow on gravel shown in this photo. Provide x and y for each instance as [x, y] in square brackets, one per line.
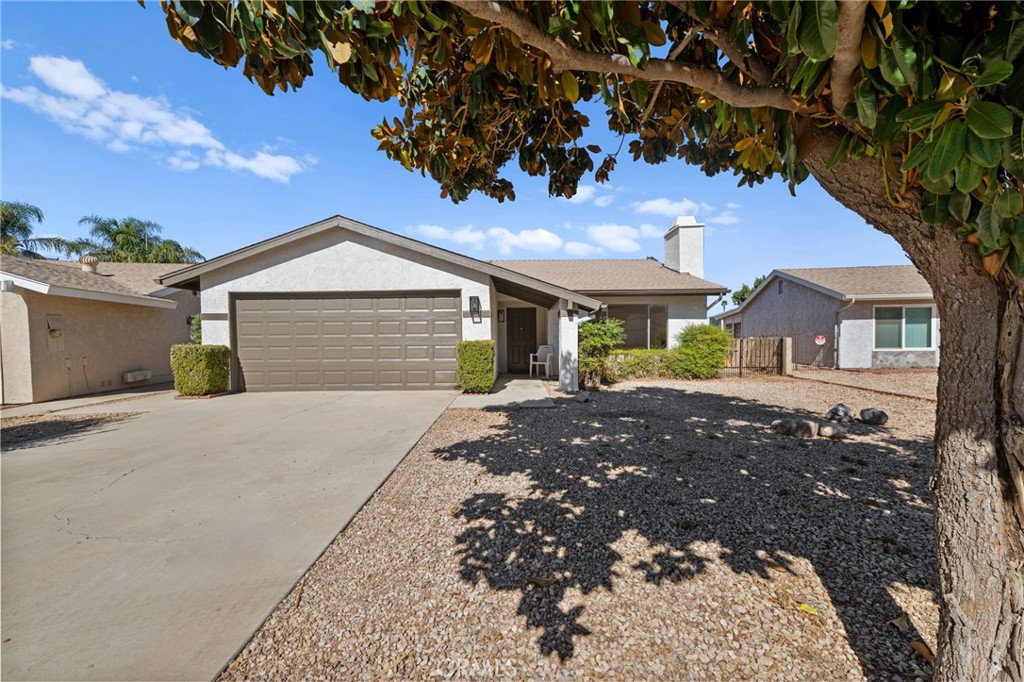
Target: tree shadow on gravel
[679, 467]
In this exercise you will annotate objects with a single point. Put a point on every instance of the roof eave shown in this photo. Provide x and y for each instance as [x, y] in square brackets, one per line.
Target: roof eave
[71, 292]
[658, 292]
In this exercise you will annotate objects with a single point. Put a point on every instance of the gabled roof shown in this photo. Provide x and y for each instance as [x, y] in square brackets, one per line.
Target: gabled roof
[130, 283]
[614, 276]
[547, 292]
[862, 283]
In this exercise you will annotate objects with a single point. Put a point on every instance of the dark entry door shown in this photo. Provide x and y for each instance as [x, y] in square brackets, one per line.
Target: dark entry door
[520, 338]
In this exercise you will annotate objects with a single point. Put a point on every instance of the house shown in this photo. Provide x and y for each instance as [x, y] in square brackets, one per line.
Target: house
[873, 317]
[342, 305]
[74, 328]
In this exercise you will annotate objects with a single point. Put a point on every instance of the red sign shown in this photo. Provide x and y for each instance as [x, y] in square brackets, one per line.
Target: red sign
[820, 339]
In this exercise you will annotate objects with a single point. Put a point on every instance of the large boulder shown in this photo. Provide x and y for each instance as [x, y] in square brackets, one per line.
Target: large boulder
[797, 428]
[873, 416]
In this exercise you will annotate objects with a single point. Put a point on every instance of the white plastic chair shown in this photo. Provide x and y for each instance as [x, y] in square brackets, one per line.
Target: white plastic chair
[542, 358]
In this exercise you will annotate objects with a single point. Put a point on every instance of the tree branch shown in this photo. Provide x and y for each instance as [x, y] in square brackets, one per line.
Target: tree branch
[847, 56]
[751, 65]
[564, 58]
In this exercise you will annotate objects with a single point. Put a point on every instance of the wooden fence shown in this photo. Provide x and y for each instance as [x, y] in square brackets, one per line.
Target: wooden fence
[759, 355]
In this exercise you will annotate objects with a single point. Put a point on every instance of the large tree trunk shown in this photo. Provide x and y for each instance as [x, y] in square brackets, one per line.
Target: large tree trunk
[978, 484]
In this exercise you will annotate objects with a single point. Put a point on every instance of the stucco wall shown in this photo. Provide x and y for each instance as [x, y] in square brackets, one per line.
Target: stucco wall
[797, 312]
[857, 340]
[337, 260]
[683, 311]
[505, 302]
[15, 351]
[99, 342]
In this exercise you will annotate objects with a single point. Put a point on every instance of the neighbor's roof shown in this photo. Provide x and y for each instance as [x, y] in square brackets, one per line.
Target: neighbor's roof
[131, 283]
[870, 281]
[614, 276]
[536, 290]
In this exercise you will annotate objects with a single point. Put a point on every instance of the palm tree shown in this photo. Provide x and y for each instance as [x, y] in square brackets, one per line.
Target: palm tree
[16, 226]
[131, 240]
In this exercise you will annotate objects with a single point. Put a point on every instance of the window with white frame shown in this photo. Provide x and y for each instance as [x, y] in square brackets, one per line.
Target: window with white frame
[903, 327]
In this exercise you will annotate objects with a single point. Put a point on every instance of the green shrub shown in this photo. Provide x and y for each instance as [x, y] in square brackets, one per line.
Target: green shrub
[476, 366]
[200, 370]
[597, 338]
[195, 329]
[636, 363]
[702, 352]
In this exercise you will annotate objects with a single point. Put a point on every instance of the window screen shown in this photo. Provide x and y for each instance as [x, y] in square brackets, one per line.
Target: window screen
[646, 325]
[918, 327]
[888, 327]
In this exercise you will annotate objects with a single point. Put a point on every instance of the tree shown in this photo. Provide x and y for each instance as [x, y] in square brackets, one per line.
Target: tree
[744, 292]
[131, 240]
[16, 227]
[907, 113]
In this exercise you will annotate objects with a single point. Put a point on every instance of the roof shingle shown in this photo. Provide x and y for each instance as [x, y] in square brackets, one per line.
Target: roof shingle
[868, 280]
[612, 275]
[122, 279]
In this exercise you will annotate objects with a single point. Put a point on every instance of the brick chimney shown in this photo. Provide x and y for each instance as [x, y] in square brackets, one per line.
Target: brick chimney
[684, 246]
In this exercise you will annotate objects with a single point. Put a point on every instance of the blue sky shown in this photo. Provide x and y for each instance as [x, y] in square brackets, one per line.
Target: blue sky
[102, 113]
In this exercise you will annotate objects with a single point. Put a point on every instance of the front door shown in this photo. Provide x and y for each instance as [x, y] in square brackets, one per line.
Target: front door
[520, 338]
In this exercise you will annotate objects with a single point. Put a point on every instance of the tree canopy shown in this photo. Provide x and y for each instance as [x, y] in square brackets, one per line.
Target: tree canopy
[130, 240]
[931, 91]
[17, 224]
[744, 292]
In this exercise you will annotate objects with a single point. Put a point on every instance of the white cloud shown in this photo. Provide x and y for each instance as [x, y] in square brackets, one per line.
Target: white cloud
[584, 193]
[7, 44]
[604, 201]
[732, 204]
[648, 231]
[123, 121]
[580, 249]
[463, 235]
[667, 207]
[723, 218]
[620, 238]
[529, 240]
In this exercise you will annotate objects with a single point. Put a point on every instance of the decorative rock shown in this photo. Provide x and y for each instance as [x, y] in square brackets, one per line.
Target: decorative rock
[873, 416]
[798, 428]
[840, 413]
[829, 431]
[582, 397]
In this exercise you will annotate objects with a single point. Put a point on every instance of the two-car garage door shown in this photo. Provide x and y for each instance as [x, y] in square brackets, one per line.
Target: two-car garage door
[300, 342]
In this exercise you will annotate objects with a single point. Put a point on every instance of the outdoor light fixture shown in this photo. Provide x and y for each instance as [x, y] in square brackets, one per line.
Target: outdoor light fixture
[501, 316]
[474, 308]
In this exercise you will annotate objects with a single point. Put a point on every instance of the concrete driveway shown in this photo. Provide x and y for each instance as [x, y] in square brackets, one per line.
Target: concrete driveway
[152, 548]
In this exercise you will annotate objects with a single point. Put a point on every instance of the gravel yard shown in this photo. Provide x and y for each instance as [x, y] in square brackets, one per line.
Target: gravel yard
[17, 431]
[918, 384]
[660, 531]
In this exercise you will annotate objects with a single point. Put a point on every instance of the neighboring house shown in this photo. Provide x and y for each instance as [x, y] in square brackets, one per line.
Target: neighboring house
[71, 328]
[343, 305]
[872, 317]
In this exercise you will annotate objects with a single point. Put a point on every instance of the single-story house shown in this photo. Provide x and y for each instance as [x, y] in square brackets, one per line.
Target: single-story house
[871, 317]
[73, 328]
[342, 305]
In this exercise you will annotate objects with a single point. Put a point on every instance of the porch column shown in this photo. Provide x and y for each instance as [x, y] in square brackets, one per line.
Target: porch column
[568, 347]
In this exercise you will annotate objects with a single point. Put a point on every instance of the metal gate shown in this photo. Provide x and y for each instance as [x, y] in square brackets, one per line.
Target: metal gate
[756, 355]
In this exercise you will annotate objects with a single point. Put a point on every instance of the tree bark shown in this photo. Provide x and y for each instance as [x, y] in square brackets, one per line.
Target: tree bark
[979, 433]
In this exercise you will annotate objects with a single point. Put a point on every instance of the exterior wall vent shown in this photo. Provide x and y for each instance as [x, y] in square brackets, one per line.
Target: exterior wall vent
[89, 263]
[137, 375]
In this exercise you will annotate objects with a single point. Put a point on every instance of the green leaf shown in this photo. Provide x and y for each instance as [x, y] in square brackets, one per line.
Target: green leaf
[934, 208]
[1017, 240]
[983, 152]
[942, 185]
[839, 153]
[989, 120]
[867, 104]
[889, 67]
[1008, 204]
[571, 87]
[906, 56]
[819, 29]
[917, 155]
[996, 73]
[988, 227]
[960, 206]
[968, 175]
[920, 115]
[949, 147]
[888, 126]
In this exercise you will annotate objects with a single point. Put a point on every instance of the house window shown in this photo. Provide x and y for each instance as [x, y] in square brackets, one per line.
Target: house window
[779, 286]
[646, 325]
[898, 327]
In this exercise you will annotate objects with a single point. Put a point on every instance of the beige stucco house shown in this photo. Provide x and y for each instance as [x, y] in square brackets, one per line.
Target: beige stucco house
[343, 305]
[69, 329]
[872, 317]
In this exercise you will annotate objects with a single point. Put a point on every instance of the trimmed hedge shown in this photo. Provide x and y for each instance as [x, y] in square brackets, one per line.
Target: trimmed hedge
[703, 350]
[200, 370]
[475, 366]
